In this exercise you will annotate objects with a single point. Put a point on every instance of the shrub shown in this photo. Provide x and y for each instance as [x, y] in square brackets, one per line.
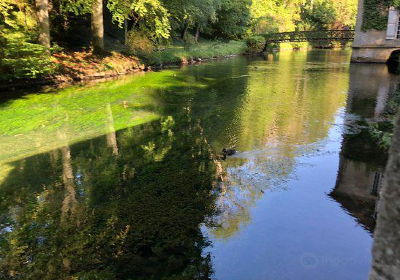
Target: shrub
[189, 41]
[177, 54]
[255, 44]
[22, 59]
[139, 44]
[299, 45]
[382, 131]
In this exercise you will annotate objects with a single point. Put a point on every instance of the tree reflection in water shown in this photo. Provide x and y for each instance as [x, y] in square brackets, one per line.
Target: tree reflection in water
[135, 213]
[130, 204]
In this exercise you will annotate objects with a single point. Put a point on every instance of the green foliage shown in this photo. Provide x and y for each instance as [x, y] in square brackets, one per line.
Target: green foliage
[205, 11]
[255, 44]
[272, 16]
[299, 45]
[151, 23]
[382, 131]
[148, 16]
[319, 15]
[346, 13]
[22, 59]
[189, 41]
[190, 13]
[376, 14]
[269, 16]
[96, 275]
[232, 19]
[77, 7]
[139, 44]
[178, 54]
[16, 16]
[383, 137]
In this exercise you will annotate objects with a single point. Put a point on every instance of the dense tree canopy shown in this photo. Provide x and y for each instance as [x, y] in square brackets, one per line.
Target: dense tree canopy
[290, 15]
[71, 24]
[149, 16]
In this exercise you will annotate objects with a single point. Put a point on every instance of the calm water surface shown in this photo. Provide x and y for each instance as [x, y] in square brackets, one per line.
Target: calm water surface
[125, 180]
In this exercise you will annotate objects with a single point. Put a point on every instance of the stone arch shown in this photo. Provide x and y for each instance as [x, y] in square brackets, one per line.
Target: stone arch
[373, 54]
[393, 61]
[394, 55]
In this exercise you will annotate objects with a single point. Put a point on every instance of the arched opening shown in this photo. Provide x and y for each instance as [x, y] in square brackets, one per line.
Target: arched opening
[393, 62]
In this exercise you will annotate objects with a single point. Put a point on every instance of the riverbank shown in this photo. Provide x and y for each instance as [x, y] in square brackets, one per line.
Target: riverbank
[179, 53]
[72, 67]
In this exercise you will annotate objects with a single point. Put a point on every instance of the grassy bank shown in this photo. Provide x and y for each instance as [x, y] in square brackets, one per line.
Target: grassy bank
[83, 65]
[179, 53]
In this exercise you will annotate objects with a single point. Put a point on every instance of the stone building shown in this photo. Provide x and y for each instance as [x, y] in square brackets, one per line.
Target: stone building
[376, 45]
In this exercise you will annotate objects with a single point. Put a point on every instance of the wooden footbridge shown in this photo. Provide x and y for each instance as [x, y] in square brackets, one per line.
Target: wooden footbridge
[310, 36]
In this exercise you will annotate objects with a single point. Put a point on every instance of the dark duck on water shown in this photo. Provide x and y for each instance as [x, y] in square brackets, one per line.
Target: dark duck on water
[227, 152]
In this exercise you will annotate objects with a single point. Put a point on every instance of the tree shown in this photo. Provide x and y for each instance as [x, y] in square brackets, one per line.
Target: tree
[97, 26]
[84, 7]
[191, 13]
[318, 15]
[178, 15]
[233, 18]
[346, 11]
[269, 16]
[204, 14]
[42, 11]
[149, 17]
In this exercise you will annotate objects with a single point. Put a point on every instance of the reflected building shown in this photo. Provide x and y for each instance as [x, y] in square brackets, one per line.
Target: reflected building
[362, 161]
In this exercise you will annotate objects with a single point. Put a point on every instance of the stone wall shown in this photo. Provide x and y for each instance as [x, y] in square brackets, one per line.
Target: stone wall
[386, 250]
[371, 45]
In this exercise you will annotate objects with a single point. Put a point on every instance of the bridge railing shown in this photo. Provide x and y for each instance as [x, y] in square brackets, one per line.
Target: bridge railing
[309, 36]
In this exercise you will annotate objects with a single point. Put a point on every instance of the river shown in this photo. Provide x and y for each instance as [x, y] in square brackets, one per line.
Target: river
[125, 179]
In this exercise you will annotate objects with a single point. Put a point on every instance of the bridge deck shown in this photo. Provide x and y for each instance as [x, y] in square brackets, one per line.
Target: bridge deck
[310, 36]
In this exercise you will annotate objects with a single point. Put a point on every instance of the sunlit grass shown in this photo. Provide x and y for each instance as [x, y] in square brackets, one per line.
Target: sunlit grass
[31, 124]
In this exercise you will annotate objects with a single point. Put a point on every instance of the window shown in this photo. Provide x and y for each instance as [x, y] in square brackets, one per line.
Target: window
[398, 27]
[392, 31]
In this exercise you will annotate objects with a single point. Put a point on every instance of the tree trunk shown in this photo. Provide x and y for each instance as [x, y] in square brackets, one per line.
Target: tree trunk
[197, 35]
[184, 30]
[386, 250]
[111, 135]
[68, 208]
[42, 12]
[97, 26]
[126, 31]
